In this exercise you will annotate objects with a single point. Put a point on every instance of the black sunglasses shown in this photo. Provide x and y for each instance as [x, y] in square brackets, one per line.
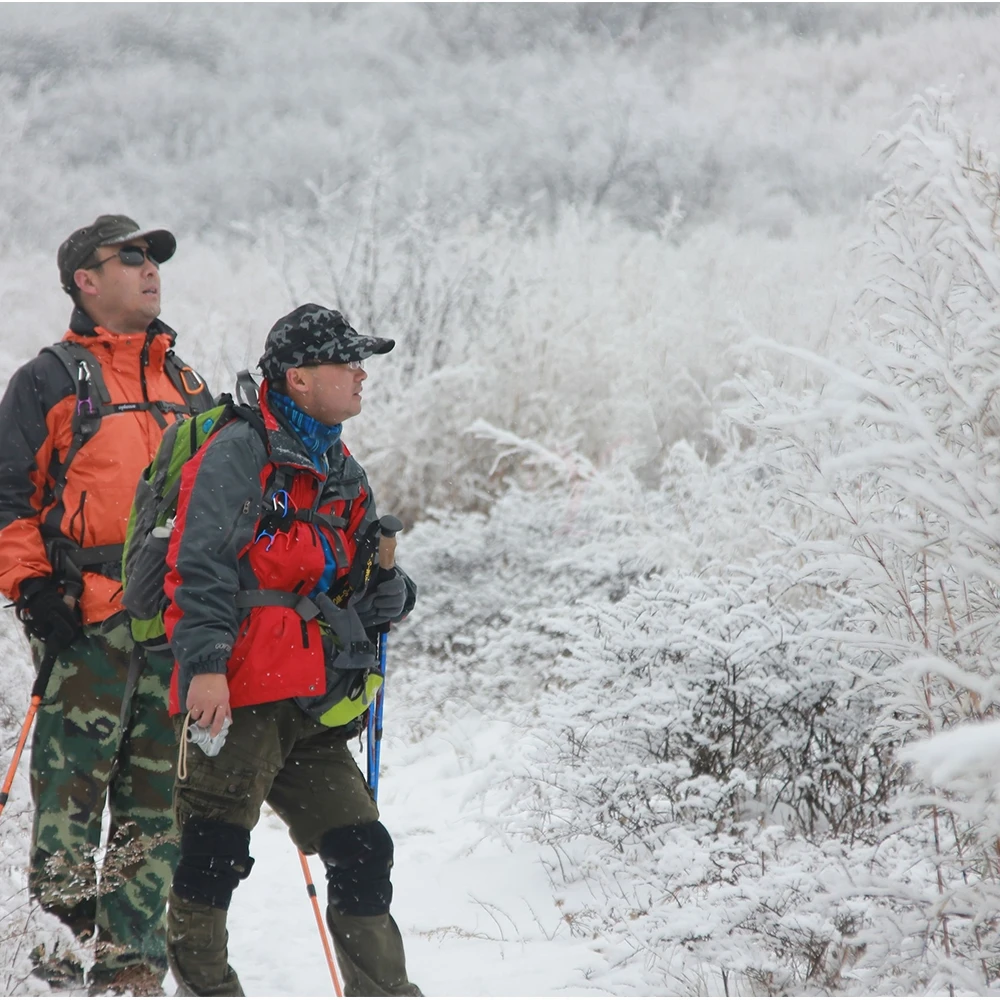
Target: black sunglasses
[130, 256]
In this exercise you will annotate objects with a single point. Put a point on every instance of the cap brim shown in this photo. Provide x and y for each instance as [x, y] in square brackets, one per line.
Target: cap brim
[162, 242]
[374, 345]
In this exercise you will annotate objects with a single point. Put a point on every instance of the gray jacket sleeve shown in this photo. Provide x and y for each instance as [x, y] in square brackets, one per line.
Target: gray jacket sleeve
[216, 515]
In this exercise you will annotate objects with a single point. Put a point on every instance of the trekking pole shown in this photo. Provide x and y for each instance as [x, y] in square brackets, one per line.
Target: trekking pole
[311, 889]
[72, 580]
[37, 693]
[389, 527]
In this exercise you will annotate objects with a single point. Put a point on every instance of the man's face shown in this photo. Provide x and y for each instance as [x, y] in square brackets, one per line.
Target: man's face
[330, 393]
[121, 296]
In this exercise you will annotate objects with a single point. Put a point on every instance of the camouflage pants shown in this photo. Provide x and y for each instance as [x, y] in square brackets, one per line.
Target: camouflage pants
[74, 773]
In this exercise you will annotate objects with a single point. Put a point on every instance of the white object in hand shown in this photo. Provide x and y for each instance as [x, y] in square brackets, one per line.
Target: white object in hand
[201, 737]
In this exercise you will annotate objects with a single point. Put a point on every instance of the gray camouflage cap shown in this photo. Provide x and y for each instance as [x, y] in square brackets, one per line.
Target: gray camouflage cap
[104, 231]
[315, 335]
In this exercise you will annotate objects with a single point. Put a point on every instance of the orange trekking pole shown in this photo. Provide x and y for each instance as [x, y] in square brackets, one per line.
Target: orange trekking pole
[37, 693]
[311, 889]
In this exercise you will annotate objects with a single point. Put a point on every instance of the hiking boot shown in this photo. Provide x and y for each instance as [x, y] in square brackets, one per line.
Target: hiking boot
[138, 980]
[62, 970]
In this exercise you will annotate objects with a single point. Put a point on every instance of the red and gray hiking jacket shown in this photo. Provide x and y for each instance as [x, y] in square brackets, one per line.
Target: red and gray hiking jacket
[249, 518]
[73, 446]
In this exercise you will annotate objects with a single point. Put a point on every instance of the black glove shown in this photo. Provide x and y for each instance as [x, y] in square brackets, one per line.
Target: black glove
[46, 615]
[383, 604]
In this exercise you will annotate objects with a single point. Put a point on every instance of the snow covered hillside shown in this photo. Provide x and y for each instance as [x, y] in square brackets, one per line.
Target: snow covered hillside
[693, 424]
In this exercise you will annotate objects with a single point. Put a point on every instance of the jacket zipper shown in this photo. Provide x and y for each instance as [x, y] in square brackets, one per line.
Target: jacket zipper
[143, 362]
[79, 512]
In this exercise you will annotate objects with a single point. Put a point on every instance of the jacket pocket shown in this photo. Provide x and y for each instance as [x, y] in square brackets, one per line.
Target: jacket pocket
[248, 512]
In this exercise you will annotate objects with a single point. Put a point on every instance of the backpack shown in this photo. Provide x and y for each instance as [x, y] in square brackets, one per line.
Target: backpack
[147, 537]
[352, 679]
[93, 402]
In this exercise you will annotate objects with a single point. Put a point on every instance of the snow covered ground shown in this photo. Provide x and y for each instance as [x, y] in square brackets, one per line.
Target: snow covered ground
[477, 913]
[476, 910]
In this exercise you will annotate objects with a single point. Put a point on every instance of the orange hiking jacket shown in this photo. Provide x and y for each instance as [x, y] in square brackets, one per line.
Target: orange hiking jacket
[36, 433]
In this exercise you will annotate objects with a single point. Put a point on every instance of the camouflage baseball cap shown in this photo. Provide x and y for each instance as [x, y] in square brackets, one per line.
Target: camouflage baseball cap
[104, 231]
[315, 335]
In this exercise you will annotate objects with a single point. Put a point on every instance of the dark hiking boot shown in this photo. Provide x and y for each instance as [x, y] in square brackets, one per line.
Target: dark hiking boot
[138, 980]
[62, 970]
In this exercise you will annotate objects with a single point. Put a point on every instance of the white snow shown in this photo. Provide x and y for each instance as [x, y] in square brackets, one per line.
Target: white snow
[477, 914]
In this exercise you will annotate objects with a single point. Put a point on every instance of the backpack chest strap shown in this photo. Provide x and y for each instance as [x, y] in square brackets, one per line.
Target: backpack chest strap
[344, 622]
[303, 606]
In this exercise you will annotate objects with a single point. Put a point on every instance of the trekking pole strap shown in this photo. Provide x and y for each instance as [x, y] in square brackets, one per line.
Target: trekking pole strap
[136, 662]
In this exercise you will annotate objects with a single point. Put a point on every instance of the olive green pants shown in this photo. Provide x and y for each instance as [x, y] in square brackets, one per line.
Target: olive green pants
[306, 773]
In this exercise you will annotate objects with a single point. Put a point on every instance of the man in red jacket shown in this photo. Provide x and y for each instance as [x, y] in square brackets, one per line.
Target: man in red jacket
[78, 424]
[272, 599]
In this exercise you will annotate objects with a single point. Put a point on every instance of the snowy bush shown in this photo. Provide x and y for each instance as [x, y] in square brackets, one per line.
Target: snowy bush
[684, 711]
[895, 463]
[715, 704]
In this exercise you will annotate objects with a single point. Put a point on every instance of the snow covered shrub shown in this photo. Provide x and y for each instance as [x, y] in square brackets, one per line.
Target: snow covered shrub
[685, 711]
[711, 698]
[715, 701]
[896, 463]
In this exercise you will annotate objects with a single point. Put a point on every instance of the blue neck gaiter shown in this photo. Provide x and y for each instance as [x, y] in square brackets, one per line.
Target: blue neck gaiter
[317, 438]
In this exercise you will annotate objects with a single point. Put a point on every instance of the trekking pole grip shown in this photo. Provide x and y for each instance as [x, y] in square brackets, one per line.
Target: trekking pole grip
[44, 673]
[389, 527]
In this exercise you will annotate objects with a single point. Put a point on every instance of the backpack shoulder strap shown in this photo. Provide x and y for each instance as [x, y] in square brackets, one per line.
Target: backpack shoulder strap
[188, 383]
[254, 418]
[82, 366]
[93, 401]
[247, 390]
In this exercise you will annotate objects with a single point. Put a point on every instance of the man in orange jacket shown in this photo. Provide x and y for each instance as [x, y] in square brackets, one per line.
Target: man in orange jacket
[78, 424]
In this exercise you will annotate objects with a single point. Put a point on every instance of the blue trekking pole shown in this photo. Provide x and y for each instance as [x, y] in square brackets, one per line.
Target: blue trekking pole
[389, 526]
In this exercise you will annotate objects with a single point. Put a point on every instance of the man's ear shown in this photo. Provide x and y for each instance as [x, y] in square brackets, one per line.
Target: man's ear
[294, 379]
[84, 280]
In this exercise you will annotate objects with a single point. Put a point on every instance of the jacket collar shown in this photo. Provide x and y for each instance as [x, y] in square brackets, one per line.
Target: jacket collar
[82, 325]
[285, 446]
